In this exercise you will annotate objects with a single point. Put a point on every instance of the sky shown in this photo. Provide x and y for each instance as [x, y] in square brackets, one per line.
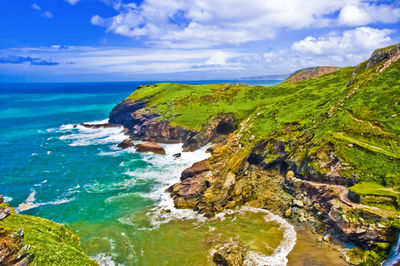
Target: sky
[126, 40]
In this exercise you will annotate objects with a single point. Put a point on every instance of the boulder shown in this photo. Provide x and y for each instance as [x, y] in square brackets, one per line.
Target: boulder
[228, 255]
[195, 169]
[126, 143]
[177, 155]
[152, 147]
[105, 125]
[4, 212]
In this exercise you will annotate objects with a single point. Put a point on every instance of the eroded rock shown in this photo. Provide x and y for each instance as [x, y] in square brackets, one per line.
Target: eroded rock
[229, 254]
[150, 147]
[126, 143]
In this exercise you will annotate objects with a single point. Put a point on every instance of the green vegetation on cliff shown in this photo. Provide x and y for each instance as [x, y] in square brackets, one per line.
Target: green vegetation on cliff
[352, 113]
[51, 243]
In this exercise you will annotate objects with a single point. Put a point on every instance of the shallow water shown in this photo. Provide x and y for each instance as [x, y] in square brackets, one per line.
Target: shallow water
[114, 199]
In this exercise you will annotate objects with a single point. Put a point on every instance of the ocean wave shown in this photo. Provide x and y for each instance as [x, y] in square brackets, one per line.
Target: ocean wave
[279, 257]
[166, 170]
[78, 135]
[30, 202]
[105, 260]
[7, 199]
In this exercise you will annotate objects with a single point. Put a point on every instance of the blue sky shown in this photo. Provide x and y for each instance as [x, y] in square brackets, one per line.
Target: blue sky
[122, 40]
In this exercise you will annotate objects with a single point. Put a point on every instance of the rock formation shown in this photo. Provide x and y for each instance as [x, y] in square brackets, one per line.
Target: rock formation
[296, 149]
[150, 147]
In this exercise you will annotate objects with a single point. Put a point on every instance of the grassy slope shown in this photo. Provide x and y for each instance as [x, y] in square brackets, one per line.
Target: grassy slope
[361, 120]
[52, 244]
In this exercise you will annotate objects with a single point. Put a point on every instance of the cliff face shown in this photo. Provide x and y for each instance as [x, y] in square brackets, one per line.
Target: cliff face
[312, 72]
[321, 151]
[28, 240]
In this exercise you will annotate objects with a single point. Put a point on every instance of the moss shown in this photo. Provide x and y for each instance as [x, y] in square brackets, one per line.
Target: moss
[51, 243]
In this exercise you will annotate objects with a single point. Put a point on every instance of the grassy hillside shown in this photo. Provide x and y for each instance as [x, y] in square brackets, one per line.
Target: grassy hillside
[51, 243]
[354, 111]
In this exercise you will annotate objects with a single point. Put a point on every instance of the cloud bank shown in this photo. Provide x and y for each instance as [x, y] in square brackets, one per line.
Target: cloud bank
[209, 23]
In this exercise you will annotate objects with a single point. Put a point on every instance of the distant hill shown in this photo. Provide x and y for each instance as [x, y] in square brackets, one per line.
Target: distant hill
[265, 77]
[311, 72]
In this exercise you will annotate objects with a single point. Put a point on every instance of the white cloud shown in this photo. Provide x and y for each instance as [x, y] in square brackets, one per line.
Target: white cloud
[72, 2]
[207, 23]
[122, 63]
[359, 39]
[47, 14]
[35, 6]
[218, 58]
[365, 13]
[348, 48]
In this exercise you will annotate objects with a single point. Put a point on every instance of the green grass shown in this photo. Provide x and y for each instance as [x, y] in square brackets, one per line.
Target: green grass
[361, 119]
[374, 189]
[51, 243]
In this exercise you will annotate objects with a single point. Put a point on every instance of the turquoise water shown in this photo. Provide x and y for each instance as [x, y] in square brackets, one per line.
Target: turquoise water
[113, 199]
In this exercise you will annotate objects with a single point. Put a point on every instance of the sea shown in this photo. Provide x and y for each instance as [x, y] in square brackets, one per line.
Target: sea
[115, 199]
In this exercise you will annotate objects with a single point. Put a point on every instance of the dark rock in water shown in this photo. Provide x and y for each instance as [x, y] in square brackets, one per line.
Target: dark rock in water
[1, 199]
[177, 155]
[150, 147]
[105, 125]
[126, 143]
[4, 212]
[195, 169]
[228, 255]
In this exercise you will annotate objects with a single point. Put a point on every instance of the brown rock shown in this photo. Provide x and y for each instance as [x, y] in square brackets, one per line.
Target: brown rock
[312, 72]
[4, 212]
[288, 213]
[150, 147]
[126, 143]
[228, 255]
[195, 169]
[105, 125]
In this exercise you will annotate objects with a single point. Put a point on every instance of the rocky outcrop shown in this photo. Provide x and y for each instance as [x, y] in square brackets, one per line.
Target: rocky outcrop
[145, 125]
[151, 147]
[104, 125]
[229, 254]
[381, 55]
[216, 130]
[12, 249]
[126, 143]
[334, 206]
[312, 72]
[142, 124]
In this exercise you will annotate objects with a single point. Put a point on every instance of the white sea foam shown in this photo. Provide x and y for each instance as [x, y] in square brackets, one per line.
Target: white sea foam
[285, 247]
[30, 202]
[166, 170]
[99, 122]
[105, 260]
[78, 135]
[7, 199]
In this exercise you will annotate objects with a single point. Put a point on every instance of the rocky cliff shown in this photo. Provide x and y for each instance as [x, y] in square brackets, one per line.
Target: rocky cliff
[308, 73]
[32, 240]
[323, 152]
